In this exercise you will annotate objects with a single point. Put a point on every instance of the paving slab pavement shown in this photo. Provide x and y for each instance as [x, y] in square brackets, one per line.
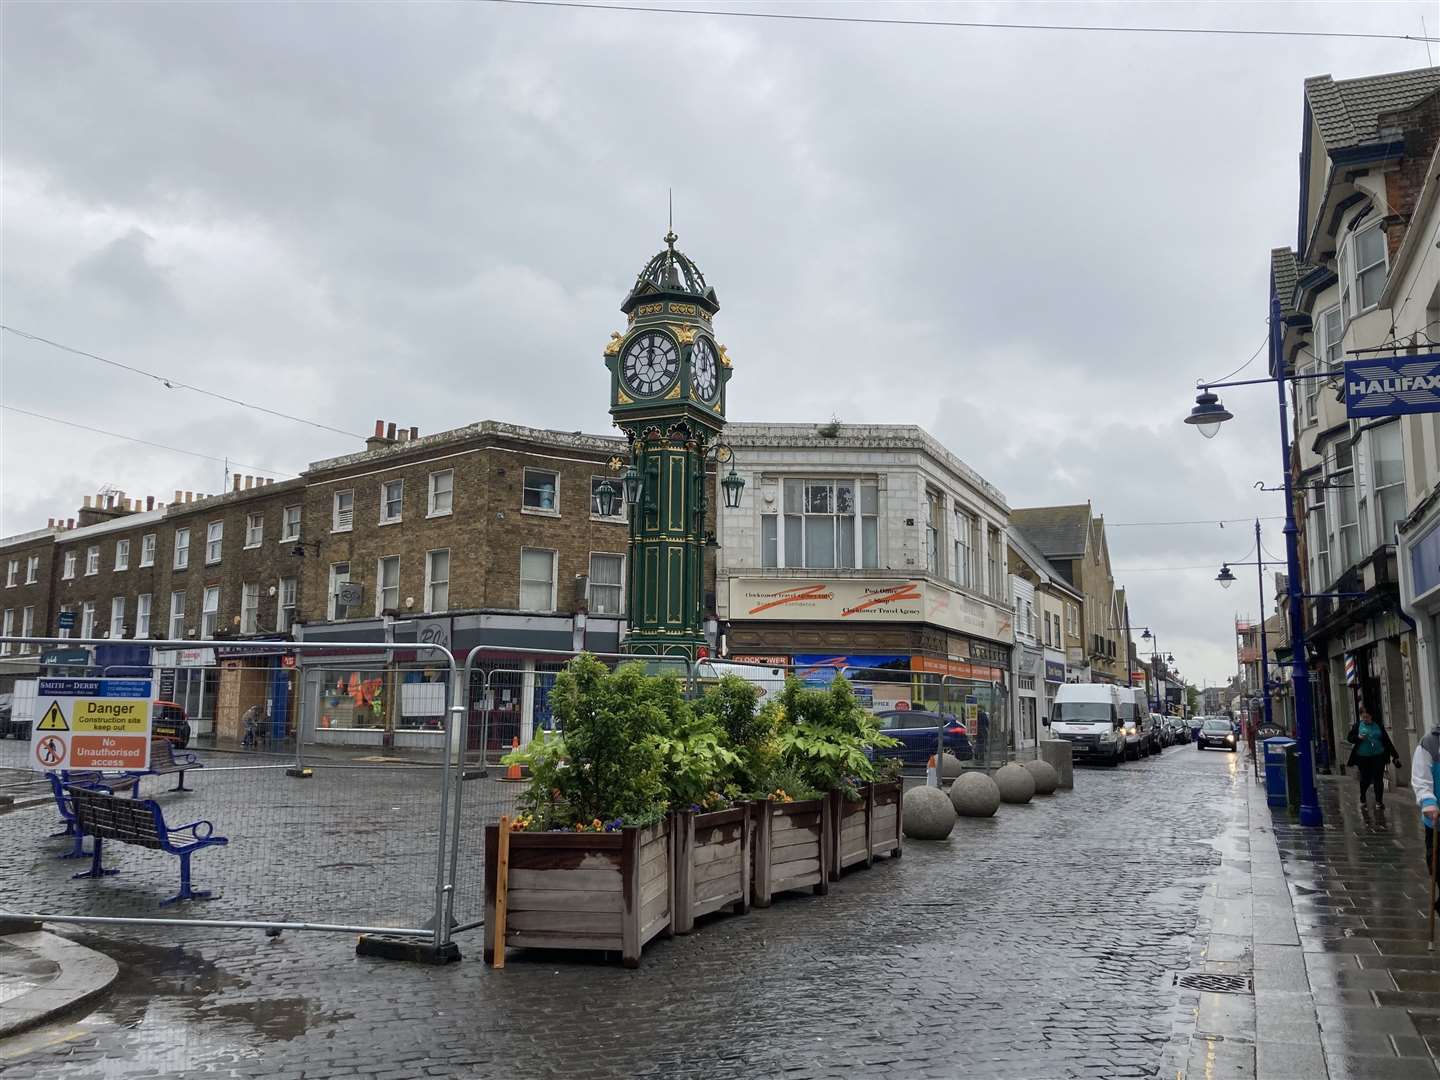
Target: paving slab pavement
[44, 976]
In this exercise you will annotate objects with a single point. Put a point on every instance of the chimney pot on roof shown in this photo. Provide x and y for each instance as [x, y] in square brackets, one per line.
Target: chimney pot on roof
[87, 502]
[249, 482]
[379, 429]
[390, 430]
[236, 483]
[414, 432]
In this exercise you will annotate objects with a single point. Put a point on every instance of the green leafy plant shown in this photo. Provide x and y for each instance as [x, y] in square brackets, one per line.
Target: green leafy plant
[825, 734]
[750, 731]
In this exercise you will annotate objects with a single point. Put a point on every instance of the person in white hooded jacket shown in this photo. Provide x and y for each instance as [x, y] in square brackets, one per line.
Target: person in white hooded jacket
[1424, 780]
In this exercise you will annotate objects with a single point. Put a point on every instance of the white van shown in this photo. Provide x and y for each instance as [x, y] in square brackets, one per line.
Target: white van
[1087, 716]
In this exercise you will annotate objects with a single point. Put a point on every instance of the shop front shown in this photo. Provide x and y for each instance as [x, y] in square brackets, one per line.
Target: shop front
[1419, 565]
[1054, 678]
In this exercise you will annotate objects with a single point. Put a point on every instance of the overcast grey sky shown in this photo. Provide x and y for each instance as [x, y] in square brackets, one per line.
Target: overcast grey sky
[1031, 243]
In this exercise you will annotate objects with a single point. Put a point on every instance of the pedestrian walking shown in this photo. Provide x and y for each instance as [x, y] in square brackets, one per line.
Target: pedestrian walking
[1424, 779]
[252, 720]
[1370, 749]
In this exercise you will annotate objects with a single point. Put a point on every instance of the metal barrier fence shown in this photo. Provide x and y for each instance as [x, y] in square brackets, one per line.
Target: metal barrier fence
[327, 773]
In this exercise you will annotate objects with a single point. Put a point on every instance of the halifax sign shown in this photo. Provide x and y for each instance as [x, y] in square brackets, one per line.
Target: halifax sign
[1392, 386]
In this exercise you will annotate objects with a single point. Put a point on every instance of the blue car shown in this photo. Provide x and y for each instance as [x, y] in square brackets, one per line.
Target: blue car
[915, 729]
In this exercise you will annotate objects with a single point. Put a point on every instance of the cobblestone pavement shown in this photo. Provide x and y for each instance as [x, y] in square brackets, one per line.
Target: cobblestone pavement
[1041, 943]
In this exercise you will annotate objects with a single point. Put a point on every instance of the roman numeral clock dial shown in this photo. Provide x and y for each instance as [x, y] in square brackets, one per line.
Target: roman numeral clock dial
[651, 365]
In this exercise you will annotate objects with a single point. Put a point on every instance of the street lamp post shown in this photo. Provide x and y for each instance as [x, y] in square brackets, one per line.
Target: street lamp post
[1207, 415]
[1226, 578]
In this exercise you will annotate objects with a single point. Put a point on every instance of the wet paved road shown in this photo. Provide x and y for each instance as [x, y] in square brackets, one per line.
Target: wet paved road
[1042, 943]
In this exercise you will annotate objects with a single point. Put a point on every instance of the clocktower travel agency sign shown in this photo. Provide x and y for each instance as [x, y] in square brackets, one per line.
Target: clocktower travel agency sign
[91, 724]
[862, 600]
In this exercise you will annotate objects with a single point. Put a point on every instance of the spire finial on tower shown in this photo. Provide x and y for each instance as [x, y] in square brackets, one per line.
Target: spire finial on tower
[670, 236]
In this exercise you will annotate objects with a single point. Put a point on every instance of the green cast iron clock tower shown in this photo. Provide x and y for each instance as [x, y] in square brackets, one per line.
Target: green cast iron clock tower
[667, 393]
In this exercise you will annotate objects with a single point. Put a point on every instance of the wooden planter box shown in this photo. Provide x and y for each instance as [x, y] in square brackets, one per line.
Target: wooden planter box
[790, 849]
[862, 828]
[712, 864]
[609, 891]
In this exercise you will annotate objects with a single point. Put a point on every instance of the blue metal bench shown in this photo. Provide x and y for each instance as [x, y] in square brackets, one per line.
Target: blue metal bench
[80, 778]
[163, 761]
[110, 817]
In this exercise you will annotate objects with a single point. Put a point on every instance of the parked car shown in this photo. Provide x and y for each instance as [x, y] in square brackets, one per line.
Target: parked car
[168, 721]
[1087, 716]
[915, 729]
[1217, 734]
[1165, 731]
[1179, 730]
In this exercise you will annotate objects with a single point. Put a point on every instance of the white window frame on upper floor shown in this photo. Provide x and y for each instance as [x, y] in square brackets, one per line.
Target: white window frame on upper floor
[254, 530]
[433, 508]
[181, 558]
[147, 550]
[1351, 276]
[122, 554]
[286, 534]
[12, 574]
[92, 560]
[32, 570]
[67, 572]
[386, 500]
[214, 541]
[342, 520]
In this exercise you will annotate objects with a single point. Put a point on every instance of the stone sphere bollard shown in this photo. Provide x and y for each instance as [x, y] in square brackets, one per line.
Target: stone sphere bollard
[950, 767]
[1015, 783]
[1046, 777]
[975, 795]
[928, 814]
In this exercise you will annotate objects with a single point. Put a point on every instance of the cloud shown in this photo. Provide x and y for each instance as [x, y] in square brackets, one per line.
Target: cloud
[1031, 243]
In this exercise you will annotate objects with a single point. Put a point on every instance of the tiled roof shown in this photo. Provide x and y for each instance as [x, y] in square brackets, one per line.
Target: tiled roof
[1057, 531]
[1348, 112]
[1031, 554]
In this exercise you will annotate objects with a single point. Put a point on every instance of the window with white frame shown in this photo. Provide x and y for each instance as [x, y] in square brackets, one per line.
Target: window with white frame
[182, 549]
[249, 607]
[210, 612]
[92, 560]
[537, 579]
[290, 523]
[962, 570]
[1330, 342]
[32, 569]
[147, 550]
[1345, 523]
[339, 575]
[7, 628]
[392, 501]
[285, 604]
[177, 615]
[617, 486]
[122, 554]
[387, 584]
[68, 571]
[818, 525]
[117, 617]
[12, 574]
[541, 492]
[142, 615]
[27, 627]
[606, 589]
[254, 530]
[1362, 270]
[934, 532]
[214, 541]
[1072, 620]
[437, 580]
[1389, 478]
[87, 619]
[995, 563]
[442, 493]
[342, 515]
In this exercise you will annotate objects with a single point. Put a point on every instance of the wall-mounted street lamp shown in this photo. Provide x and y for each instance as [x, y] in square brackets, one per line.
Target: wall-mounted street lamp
[1225, 577]
[1208, 414]
[607, 495]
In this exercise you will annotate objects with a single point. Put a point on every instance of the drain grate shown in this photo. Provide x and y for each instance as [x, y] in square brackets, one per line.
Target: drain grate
[1214, 982]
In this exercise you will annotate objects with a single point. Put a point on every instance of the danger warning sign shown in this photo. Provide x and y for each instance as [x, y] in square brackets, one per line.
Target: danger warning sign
[93, 724]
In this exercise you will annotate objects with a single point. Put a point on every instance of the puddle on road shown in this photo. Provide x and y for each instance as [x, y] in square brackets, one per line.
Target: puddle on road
[179, 1010]
[22, 971]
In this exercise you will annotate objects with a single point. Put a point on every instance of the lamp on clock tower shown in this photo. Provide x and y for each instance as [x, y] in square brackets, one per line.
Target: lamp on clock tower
[667, 394]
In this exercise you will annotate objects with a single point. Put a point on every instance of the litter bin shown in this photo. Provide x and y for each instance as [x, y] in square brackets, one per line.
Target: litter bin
[1292, 775]
[1276, 753]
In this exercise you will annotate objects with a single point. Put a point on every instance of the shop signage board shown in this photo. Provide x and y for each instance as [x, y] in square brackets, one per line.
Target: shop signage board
[91, 724]
[1392, 386]
[867, 600]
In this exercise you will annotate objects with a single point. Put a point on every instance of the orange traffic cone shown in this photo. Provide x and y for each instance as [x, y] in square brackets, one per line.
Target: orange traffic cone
[513, 772]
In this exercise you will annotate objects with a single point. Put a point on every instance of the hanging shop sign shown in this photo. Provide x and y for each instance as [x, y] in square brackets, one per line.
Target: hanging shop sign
[1392, 386]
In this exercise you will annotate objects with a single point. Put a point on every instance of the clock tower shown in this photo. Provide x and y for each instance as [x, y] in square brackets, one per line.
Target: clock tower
[667, 394]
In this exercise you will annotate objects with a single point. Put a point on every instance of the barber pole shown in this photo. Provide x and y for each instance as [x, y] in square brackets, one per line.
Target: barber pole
[1352, 670]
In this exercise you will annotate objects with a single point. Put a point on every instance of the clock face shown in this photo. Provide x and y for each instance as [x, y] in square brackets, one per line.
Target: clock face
[651, 364]
[706, 371]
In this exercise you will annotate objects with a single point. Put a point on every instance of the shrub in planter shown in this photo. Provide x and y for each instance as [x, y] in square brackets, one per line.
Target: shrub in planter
[591, 861]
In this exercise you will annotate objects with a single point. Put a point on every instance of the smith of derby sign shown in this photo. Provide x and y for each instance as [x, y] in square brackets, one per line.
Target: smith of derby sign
[1391, 386]
[865, 600]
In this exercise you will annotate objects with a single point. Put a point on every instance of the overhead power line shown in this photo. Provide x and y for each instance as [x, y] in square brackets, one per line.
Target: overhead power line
[1222, 522]
[143, 442]
[964, 24]
[176, 384]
